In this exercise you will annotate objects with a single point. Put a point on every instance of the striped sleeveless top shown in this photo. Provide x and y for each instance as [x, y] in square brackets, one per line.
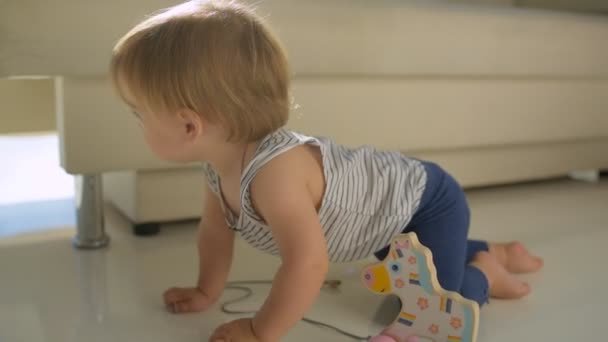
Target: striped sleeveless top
[370, 196]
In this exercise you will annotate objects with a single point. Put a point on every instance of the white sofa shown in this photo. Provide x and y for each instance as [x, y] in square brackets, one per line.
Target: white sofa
[495, 95]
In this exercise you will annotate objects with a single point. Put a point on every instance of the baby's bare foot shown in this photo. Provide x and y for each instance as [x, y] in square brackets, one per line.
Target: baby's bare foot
[515, 257]
[502, 283]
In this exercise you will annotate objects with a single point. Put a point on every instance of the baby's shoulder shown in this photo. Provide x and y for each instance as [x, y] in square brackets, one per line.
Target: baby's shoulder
[293, 164]
[299, 168]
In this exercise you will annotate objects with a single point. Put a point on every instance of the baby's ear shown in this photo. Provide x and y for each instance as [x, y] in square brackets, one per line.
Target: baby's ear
[192, 123]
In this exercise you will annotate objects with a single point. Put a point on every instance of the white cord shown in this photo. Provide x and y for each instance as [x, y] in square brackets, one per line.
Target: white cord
[238, 285]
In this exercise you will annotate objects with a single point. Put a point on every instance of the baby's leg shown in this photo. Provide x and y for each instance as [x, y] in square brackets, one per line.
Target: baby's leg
[445, 234]
[512, 255]
[502, 283]
[474, 247]
[515, 257]
[464, 266]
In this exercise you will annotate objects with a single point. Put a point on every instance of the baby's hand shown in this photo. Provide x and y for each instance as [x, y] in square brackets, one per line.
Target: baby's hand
[387, 338]
[186, 299]
[240, 330]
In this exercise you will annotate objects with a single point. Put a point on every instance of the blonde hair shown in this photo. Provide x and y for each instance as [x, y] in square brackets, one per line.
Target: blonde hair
[214, 57]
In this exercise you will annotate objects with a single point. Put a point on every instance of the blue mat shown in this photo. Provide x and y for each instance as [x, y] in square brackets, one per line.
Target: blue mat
[29, 217]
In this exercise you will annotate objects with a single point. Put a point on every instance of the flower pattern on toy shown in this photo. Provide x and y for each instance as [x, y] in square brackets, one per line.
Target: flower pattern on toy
[428, 311]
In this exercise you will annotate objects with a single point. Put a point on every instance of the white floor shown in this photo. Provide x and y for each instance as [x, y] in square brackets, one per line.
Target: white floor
[53, 293]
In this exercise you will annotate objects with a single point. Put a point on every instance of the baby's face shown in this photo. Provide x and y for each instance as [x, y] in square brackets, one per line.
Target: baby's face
[162, 134]
[166, 134]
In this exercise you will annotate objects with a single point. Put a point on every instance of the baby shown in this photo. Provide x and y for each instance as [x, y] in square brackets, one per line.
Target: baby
[209, 82]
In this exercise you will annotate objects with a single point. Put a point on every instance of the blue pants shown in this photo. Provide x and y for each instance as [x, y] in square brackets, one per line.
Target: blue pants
[442, 224]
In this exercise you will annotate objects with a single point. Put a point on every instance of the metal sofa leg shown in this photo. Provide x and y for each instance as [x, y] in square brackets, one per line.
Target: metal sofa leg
[90, 229]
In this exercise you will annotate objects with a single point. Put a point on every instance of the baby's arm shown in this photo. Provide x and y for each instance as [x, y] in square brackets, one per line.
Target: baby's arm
[281, 195]
[215, 246]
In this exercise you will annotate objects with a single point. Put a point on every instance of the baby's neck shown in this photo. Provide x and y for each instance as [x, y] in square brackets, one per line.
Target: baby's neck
[229, 160]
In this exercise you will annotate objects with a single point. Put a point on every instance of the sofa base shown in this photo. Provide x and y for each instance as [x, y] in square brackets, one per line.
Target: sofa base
[177, 194]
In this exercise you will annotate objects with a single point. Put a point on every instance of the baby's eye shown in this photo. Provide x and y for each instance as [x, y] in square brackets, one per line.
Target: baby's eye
[137, 115]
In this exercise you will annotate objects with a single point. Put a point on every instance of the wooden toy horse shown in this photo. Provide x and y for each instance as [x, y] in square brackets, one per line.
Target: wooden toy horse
[428, 311]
